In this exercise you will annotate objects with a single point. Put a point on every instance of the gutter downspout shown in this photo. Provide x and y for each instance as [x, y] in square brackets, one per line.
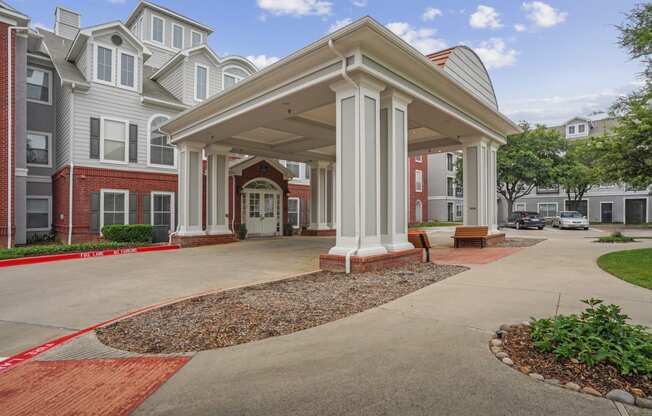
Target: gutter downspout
[233, 206]
[72, 161]
[10, 127]
[345, 75]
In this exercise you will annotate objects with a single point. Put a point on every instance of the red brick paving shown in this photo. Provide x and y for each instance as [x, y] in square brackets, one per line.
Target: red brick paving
[83, 387]
[470, 255]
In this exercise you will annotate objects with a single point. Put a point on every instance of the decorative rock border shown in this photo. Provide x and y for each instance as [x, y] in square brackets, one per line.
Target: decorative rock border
[617, 395]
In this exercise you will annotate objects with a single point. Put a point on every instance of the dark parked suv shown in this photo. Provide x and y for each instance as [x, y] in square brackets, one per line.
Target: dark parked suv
[524, 219]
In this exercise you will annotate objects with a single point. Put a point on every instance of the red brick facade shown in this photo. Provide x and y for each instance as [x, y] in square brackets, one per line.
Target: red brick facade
[415, 196]
[303, 193]
[370, 263]
[4, 125]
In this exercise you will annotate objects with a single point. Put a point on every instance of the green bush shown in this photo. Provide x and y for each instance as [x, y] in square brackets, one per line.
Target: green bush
[242, 232]
[599, 334]
[132, 233]
[616, 237]
[42, 250]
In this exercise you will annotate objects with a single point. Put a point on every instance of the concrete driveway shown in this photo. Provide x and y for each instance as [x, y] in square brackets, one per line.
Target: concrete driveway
[42, 301]
[423, 354]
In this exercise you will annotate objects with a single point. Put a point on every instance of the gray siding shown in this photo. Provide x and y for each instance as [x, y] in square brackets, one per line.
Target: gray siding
[159, 56]
[63, 134]
[465, 67]
[42, 118]
[173, 81]
[83, 61]
[214, 77]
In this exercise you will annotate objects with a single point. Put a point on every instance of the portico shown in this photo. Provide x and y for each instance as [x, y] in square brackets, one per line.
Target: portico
[353, 105]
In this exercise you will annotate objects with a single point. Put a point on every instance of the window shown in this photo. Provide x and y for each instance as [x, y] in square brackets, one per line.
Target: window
[38, 148]
[418, 158]
[571, 129]
[104, 61]
[449, 162]
[418, 185]
[177, 36]
[161, 152]
[548, 189]
[163, 209]
[458, 211]
[113, 143]
[201, 82]
[254, 205]
[520, 206]
[114, 207]
[158, 28]
[418, 212]
[450, 186]
[580, 206]
[581, 128]
[295, 168]
[196, 38]
[39, 85]
[294, 210]
[547, 209]
[39, 213]
[577, 130]
[229, 80]
[127, 69]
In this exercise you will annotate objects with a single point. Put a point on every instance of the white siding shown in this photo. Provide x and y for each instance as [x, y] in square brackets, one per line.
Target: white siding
[173, 81]
[159, 56]
[214, 77]
[466, 68]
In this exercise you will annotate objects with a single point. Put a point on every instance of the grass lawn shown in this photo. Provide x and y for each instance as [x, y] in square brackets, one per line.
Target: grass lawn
[633, 266]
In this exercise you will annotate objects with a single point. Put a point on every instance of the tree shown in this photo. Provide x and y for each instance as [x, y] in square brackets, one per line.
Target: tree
[527, 160]
[636, 35]
[577, 171]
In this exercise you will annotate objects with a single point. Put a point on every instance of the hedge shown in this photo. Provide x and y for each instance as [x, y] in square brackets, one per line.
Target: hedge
[43, 250]
[133, 233]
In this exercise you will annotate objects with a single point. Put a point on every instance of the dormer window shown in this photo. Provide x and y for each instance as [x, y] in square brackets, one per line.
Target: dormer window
[104, 64]
[177, 36]
[127, 70]
[577, 130]
[116, 67]
[201, 82]
[196, 39]
[230, 79]
[158, 25]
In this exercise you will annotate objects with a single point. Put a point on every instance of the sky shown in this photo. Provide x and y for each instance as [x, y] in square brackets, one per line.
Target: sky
[548, 60]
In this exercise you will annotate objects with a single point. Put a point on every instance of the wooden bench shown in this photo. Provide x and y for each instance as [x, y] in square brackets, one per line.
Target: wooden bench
[419, 239]
[471, 236]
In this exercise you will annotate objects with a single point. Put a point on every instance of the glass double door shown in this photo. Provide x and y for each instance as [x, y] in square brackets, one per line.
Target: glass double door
[263, 212]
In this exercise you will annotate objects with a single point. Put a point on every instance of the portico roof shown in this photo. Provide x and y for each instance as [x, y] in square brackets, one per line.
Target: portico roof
[287, 110]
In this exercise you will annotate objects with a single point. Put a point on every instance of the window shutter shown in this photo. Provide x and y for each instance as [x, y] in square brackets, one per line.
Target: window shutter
[133, 143]
[95, 138]
[133, 208]
[147, 211]
[95, 212]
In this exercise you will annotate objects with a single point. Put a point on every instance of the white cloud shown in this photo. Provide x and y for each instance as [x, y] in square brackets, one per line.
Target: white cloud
[557, 109]
[519, 27]
[261, 61]
[339, 24]
[543, 15]
[359, 3]
[296, 7]
[495, 53]
[485, 17]
[430, 13]
[422, 39]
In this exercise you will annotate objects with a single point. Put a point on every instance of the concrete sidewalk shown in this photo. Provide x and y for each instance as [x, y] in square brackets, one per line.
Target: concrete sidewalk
[423, 354]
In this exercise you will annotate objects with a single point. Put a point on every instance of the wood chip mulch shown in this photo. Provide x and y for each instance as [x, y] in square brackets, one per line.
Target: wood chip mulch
[266, 310]
[519, 242]
[518, 344]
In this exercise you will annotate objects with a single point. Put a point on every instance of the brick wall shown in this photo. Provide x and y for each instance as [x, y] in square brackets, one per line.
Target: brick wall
[4, 66]
[303, 193]
[418, 196]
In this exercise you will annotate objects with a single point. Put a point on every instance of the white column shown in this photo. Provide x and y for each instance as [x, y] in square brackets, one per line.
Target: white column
[332, 196]
[190, 189]
[480, 177]
[492, 166]
[217, 190]
[318, 196]
[394, 171]
[358, 167]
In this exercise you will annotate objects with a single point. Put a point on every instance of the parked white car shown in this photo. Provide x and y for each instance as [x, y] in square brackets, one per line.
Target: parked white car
[570, 219]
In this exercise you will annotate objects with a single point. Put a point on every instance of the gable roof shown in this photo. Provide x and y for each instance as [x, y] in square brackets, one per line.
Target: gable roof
[181, 55]
[240, 165]
[58, 47]
[164, 10]
[83, 35]
[7, 10]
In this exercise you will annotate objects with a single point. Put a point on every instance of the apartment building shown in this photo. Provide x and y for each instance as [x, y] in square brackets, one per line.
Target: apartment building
[445, 198]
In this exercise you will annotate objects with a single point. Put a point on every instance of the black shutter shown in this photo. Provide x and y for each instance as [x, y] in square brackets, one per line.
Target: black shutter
[95, 138]
[133, 143]
[133, 208]
[147, 213]
[95, 212]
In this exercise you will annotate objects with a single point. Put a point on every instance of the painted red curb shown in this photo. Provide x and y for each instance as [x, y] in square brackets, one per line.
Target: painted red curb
[84, 255]
[33, 352]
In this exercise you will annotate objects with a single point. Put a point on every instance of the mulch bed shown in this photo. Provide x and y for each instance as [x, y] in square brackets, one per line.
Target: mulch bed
[519, 242]
[517, 343]
[266, 310]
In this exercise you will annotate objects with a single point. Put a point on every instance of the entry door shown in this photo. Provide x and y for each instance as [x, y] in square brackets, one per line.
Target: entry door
[606, 212]
[635, 211]
[270, 207]
[162, 208]
[262, 213]
[450, 212]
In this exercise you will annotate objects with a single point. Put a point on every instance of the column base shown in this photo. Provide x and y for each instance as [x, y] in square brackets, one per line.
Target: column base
[360, 264]
[328, 232]
[202, 239]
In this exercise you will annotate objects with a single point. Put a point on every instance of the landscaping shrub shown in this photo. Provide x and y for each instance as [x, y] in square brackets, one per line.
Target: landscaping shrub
[616, 237]
[242, 232]
[600, 334]
[132, 233]
[42, 250]
[288, 230]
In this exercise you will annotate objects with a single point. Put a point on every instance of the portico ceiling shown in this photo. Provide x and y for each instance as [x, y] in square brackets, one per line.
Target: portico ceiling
[287, 110]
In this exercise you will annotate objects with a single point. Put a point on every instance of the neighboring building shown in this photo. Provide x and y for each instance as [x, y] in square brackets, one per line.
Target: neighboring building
[607, 203]
[418, 201]
[445, 199]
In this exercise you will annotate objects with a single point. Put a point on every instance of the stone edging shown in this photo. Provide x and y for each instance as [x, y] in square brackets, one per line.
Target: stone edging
[617, 395]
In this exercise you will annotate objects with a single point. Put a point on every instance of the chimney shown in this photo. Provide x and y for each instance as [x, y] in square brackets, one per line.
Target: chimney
[66, 22]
